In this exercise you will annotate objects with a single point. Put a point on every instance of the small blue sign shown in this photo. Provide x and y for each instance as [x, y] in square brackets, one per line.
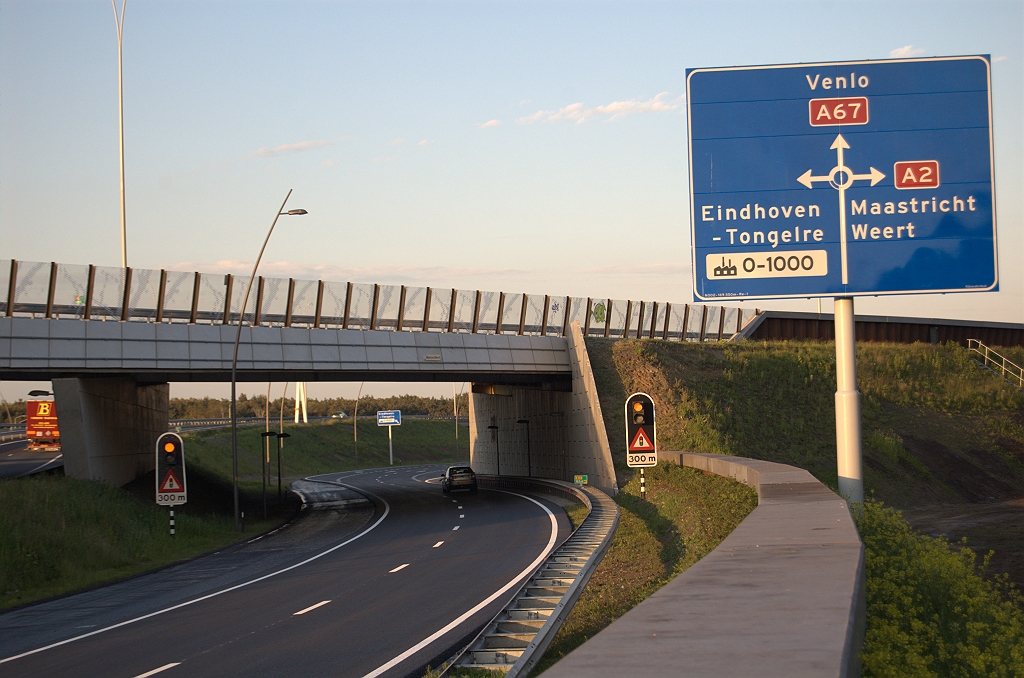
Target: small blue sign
[842, 179]
[389, 418]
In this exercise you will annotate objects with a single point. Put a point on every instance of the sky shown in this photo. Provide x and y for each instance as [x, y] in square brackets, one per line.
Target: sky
[526, 146]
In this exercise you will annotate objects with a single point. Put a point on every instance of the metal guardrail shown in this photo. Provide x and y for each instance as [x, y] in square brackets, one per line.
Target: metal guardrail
[517, 637]
[7, 437]
[1007, 369]
[52, 290]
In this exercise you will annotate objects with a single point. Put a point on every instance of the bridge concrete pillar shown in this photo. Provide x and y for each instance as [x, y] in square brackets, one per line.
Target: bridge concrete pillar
[109, 426]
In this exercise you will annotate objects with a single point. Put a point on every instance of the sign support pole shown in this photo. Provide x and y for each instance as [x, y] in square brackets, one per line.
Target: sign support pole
[172, 522]
[643, 485]
[848, 438]
[391, 452]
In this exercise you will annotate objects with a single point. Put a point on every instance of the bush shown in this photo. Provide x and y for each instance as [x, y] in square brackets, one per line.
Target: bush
[930, 612]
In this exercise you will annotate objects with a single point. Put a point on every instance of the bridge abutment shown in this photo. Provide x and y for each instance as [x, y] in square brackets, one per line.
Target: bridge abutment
[567, 436]
[109, 426]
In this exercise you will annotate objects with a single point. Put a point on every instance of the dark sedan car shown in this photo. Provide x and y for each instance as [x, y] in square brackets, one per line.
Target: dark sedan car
[458, 478]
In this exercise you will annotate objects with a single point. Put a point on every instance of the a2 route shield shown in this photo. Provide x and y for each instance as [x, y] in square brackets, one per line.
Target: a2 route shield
[170, 470]
[641, 431]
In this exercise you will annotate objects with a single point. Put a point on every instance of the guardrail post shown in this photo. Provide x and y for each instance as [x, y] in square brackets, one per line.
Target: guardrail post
[52, 289]
[451, 310]
[721, 322]
[703, 323]
[401, 310]
[89, 289]
[668, 314]
[586, 322]
[426, 310]
[160, 293]
[229, 282]
[348, 306]
[194, 313]
[258, 311]
[127, 293]
[544, 320]
[319, 303]
[498, 325]
[629, 312]
[476, 312]
[522, 316]
[288, 305]
[12, 284]
[686, 321]
[565, 318]
[373, 310]
[654, 319]
[607, 318]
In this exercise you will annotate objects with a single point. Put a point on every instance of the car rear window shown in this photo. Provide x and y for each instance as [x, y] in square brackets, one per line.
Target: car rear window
[462, 469]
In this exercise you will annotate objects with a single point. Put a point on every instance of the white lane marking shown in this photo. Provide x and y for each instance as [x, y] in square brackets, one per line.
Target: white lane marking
[400, 567]
[387, 510]
[42, 465]
[455, 528]
[156, 671]
[437, 544]
[311, 607]
[462, 515]
[484, 603]
[460, 507]
[455, 501]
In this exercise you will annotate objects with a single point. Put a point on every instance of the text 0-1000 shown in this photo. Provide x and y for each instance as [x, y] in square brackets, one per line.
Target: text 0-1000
[775, 264]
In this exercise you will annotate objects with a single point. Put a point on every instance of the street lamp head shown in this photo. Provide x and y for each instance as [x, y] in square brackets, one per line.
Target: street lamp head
[295, 212]
[40, 393]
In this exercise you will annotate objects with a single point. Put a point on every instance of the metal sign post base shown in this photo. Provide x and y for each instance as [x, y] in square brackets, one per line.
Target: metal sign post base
[848, 439]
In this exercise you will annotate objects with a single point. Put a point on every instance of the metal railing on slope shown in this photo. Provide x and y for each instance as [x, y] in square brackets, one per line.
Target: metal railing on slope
[516, 638]
[53, 290]
[1007, 369]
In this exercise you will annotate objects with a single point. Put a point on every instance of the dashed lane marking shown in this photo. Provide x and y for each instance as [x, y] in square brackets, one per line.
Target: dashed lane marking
[462, 515]
[455, 528]
[438, 544]
[400, 567]
[156, 671]
[311, 608]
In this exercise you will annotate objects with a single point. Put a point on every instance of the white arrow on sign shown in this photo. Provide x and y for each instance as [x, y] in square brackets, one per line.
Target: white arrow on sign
[841, 178]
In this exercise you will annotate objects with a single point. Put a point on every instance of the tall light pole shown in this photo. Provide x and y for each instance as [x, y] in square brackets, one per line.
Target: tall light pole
[119, 24]
[355, 422]
[234, 356]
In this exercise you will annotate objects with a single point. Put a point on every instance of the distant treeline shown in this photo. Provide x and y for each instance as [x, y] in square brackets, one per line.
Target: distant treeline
[256, 406]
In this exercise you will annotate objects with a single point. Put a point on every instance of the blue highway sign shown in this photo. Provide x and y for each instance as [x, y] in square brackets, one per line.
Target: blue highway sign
[840, 179]
[389, 418]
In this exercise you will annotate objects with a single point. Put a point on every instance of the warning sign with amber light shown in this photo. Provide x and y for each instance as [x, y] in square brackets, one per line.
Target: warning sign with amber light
[641, 433]
[170, 470]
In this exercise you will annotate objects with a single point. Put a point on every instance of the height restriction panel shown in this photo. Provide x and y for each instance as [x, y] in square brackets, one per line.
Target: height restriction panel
[823, 180]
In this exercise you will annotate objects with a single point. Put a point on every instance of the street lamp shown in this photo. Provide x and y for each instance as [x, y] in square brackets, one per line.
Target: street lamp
[234, 356]
[119, 23]
[280, 445]
[497, 453]
[529, 461]
[266, 435]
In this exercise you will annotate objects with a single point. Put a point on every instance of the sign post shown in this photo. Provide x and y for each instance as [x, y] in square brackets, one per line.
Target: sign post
[839, 180]
[390, 418]
[641, 436]
[170, 473]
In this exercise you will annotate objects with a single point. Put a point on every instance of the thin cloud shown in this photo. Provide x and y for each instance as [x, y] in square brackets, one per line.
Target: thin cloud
[579, 113]
[425, 142]
[640, 269]
[397, 142]
[397, 274]
[999, 58]
[906, 51]
[330, 163]
[284, 149]
[491, 123]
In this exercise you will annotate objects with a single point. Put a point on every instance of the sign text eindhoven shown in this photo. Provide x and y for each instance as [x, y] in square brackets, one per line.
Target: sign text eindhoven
[840, 179]
[170, 470]
[641, 431]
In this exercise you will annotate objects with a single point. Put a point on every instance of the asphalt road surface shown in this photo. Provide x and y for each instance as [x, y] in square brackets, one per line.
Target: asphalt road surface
[17, 460]
[354, 588]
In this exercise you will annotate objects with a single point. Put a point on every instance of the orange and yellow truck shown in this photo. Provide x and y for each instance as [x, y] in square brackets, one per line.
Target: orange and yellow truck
[41, 427]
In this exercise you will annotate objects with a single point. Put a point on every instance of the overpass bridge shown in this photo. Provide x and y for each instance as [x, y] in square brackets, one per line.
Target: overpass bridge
[111, 339]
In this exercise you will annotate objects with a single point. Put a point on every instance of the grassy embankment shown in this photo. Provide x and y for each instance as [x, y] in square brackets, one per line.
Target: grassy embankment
[942, 437]
[59, 535]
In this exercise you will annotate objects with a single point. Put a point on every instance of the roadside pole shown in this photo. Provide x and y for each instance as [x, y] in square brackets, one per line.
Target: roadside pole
[848, 435]
[391, 451]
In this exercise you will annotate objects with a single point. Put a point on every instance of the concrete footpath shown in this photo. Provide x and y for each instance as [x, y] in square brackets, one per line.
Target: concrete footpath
[783, 595]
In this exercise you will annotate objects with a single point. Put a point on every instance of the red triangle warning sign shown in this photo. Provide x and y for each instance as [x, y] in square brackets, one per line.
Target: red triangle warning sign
[170, 483]
[641, 443]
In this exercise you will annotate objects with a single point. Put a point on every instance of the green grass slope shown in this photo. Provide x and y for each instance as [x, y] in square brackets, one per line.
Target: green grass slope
[943, 441]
